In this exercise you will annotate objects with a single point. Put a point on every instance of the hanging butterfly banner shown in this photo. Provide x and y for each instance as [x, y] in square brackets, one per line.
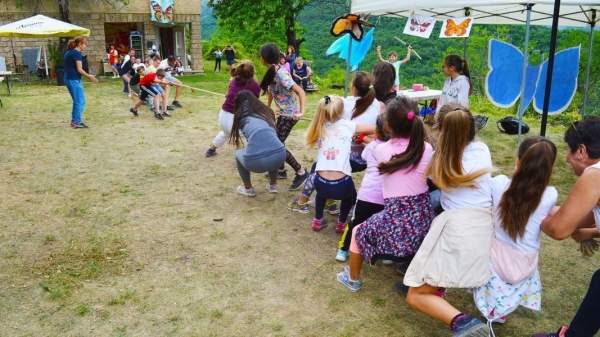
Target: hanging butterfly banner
[162, 11]
[420, 26]
[456, 27]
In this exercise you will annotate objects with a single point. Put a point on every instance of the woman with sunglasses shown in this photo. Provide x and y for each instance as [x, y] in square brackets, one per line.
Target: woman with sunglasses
[579, 218]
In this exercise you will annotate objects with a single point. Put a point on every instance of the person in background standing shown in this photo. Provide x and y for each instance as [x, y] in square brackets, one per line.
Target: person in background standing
[229, 53]
[113, 58]
[73, 72]
[218, 56]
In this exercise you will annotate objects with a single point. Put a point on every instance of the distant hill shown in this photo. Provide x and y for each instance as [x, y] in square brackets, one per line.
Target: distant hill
[209, 22]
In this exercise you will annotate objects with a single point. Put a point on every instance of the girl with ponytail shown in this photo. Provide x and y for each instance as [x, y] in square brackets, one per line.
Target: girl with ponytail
[73, 61]
[457, 86]
[396, 232]
[289, 98]
[520, 206]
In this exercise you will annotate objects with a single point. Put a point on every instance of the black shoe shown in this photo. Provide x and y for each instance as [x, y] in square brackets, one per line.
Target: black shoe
[177, 104]
[298, 180]
[170, 108]
[400, 288]
[211, 152]
[158, 116]
[166, 114]
[134, 112]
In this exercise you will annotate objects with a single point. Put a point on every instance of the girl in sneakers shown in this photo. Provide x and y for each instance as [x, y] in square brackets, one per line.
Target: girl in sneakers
[264, 152]
[289, 99]
[242, 79]
[455, 253]
[370, 194]
[332, 136]
[520, 206]
[396, 232]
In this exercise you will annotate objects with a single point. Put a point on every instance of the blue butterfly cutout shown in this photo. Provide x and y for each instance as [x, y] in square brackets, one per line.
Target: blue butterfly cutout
[360, 49]
[503, 81]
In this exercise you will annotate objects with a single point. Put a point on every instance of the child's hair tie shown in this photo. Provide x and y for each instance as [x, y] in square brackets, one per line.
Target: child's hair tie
[327, 99]
[410, 115]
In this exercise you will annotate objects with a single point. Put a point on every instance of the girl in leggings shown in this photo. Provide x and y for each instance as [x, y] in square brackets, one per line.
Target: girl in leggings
[289, 98]
[264, 152]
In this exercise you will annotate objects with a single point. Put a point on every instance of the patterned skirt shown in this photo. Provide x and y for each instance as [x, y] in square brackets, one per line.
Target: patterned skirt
[396, 232]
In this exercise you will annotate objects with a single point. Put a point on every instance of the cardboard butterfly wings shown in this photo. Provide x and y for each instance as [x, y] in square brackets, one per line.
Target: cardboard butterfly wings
[503, 81]
[351, 24]
[350, 27]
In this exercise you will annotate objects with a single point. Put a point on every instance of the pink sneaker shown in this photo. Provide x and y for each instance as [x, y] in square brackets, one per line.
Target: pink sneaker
[318, 224]
[339, 227]
[441, 292]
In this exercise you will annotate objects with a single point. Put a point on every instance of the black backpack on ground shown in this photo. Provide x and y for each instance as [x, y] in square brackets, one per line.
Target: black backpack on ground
[510, 126]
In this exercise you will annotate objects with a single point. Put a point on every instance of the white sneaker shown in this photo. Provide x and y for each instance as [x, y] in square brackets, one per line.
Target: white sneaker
[387, 262]
[272, 188]
[248, 192]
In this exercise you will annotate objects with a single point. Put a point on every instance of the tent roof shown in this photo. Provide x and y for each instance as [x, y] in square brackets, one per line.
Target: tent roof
[578, 13]
[42, 26]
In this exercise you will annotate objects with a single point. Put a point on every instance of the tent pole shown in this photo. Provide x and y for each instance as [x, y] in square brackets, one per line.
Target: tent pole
[12, 47]
[45, 61]
[348, 66]
[589, 64]
[550, 67]
[465, 42]
[521, 109]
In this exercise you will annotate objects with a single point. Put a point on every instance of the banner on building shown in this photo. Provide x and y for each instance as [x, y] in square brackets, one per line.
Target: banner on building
[162, 11]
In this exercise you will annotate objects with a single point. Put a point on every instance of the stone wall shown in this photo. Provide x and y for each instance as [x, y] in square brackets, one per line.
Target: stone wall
[92, 15]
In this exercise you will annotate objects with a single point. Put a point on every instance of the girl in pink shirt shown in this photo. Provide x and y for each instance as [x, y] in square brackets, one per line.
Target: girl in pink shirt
[370, 195]
[396, 232]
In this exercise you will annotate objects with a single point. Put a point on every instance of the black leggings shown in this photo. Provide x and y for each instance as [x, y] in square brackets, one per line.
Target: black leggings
[284, 127]
[341, 189]
[217, 64]
[362, 211]
[587, 320]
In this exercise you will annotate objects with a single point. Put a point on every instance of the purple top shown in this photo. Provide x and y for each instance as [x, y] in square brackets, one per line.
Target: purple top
[236, 86]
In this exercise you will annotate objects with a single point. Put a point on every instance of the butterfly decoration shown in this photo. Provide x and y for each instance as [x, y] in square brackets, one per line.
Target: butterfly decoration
[162, 11]
[349, 23]
[503, 81]
[456, 27]
[331, 153]
[420, 26]
[359, 49]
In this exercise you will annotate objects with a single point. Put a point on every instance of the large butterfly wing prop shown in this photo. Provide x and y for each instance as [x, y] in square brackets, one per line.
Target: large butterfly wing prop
[350, 23]
[564, 81]
[359, 49]
[503, 81]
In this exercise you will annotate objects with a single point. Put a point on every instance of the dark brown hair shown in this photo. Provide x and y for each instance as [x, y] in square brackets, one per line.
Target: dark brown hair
[403, 121]
[246, 104]
[363, 83]
[461, 66]
[270, 55]
[380, 130]
[586, 133]
[536, 159]
[243, 71]
[161, 73]
[384, 76]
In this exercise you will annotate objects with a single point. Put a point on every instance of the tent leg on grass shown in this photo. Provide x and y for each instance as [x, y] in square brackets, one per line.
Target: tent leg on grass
[348, 67]
[550, 67]
[589, 64]
[525, 64]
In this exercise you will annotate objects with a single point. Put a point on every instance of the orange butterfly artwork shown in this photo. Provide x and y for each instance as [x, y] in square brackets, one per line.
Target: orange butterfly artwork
[350, 23]
[456, 27]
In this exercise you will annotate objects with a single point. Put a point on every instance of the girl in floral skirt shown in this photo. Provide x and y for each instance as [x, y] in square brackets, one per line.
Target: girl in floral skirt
[397, 231]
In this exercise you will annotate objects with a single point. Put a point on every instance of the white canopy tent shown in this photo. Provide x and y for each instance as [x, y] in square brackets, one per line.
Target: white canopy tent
[573, 13]
[40, 26]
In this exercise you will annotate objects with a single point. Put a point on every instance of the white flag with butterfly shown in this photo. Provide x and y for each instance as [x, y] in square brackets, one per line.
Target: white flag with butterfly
[420, 26]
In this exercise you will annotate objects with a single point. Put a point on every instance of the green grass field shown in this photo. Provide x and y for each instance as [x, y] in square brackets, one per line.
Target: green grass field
[125, 229]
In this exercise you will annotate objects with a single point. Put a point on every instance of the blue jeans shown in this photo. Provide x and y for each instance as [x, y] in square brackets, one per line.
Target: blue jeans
[76, 90]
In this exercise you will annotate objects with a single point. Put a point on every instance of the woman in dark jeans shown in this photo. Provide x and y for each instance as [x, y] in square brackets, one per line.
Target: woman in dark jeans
[579, 218]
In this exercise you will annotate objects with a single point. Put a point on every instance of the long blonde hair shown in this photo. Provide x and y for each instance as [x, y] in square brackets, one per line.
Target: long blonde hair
[457, 130]
[329, 109]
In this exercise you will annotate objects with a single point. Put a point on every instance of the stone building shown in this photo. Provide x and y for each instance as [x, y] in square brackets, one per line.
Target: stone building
[125, 26]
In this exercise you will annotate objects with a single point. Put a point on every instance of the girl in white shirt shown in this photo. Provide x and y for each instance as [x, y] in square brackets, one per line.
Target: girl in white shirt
[332, 136]
[457, 86]
[520, 206]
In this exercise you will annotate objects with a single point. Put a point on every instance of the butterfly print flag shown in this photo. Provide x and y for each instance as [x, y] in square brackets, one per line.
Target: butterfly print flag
[420, 26]
[456, 27]
[503, 81]
[162, 11]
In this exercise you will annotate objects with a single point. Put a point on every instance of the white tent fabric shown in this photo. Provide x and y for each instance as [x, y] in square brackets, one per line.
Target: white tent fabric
[575, 13]
[42, 26]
